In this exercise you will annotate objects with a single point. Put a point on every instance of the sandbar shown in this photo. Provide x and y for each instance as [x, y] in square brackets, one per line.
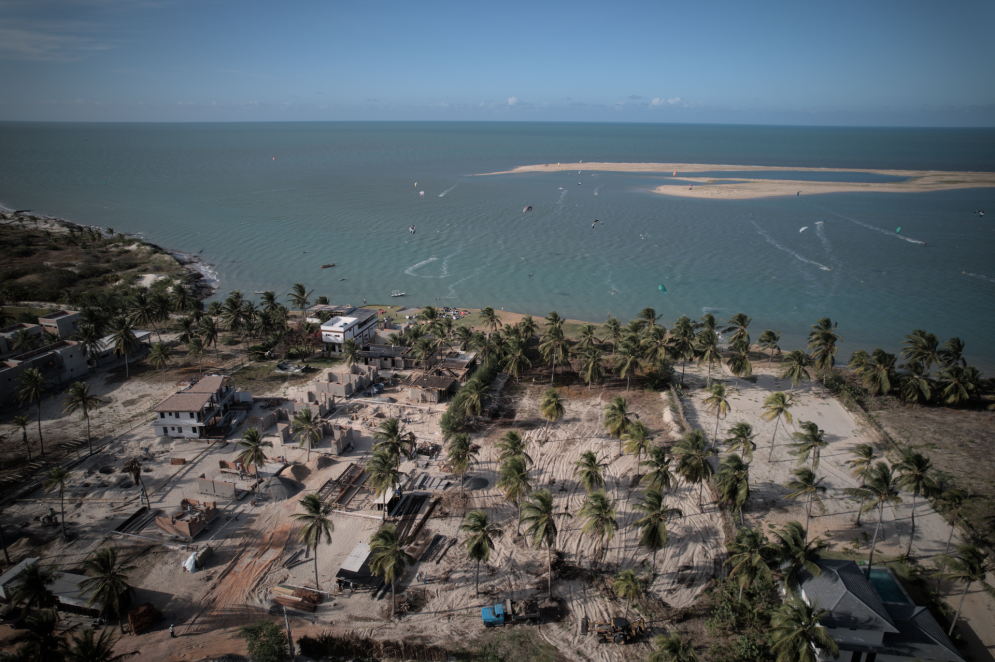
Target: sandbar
[741, 188]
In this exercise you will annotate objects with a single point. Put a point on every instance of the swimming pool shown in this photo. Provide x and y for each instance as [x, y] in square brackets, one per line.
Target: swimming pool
[887, 586]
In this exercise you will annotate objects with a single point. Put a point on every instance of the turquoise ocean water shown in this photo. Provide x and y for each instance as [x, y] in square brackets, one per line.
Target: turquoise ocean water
[269, 203]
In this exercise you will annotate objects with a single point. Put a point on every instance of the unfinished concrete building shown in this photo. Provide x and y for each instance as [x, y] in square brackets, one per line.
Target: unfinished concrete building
[193, 517]
[345, 382]
[434, 387]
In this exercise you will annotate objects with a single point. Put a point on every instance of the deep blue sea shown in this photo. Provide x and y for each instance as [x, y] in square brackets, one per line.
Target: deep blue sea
[267, 204]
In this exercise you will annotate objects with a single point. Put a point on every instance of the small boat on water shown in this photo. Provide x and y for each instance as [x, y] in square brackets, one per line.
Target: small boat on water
[397, 293]
[330, 264]
[260, 292]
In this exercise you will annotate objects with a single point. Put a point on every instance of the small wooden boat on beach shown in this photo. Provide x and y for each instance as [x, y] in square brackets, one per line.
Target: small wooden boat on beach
[330, 264]
[397, 293]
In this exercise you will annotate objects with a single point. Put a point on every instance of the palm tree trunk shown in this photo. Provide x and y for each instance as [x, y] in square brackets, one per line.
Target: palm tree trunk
[476, 588]
[41, 442]
[957, 615]
[393, 600]
[88, 444]
[908, 550]
[127, 374]
[27, 447]
[316, 584]
[949, 538]
[771, 455]
[808, 516]
[518, 522]
[742, 522]
[715, 436]
[549, 571]
[62, 506]
[870, 559]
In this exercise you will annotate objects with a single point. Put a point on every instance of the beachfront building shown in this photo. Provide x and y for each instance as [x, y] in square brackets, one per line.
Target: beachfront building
[359, 324]
[202, 410]
[874, 620]
[105, 350]
[61, 323]
[387, 357]
[69, 598]
[433, 387]
[10, 333]
[59, 363]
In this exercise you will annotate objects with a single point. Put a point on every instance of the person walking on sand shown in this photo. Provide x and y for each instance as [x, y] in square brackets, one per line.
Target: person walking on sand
[172, 632]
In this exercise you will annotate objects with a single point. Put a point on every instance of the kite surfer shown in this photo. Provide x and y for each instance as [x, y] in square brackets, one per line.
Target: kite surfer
[411, 229]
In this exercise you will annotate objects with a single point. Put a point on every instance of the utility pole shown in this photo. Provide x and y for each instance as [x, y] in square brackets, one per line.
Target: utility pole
[290, 640]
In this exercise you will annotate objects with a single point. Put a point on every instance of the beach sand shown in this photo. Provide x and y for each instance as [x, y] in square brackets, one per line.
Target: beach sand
[743, 188]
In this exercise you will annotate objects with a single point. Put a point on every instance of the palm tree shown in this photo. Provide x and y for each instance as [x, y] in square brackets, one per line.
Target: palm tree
[461, 456]
[627, 360]
[159, 357]
[659, 476]
[692, 452]
[489, 318]
[480, 542]
[951, 501]
[968, 566]
[181, 299]
[23, 422]
[56, 478]
[653, 525]
[795, 366]
[637, 440]
[806, 485]
[879, 488]
[589, 472]
[316, 525]
[682, 342]
[737, 326]
[776, 407]
[384, 474]
[528, 327]
[733, 483]
[90, 338]
[511, 444]
[123, 340]
[952, 353]
[617, 419]
[768, 340]
[795, 553]
[513, 480]
[748, 556]
[474, 394]
[108, 582]
[599, 513]
[195, 349]
[627, 587]
[810, 441]
[958, 383]
[739, 361]
[209, 332]
[551, 406]
[822, 341]
[591, 367]
[387, 559]
[672, 648]
[553, 348]
[462, 335]
[308, 427]
[742, 440]
[656, 347]
[30, 587]
[79, 399]
[515, 360]
[860, 466]
[39, 640]
[796, 634]
[299, 297]
[613, 331]
[32, 388]
[916, 385]
[706, 348]
[718, 403]
[879, 373]
[587, 337]
[923, 348]
[143, 312]
[915, 473]
[392, 436]
[428, 314]
[252, 444]
[23, 341]
[90, 647]
[538, 514]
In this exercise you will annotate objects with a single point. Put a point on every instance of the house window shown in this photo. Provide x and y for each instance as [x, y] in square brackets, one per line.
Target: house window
[173, 429]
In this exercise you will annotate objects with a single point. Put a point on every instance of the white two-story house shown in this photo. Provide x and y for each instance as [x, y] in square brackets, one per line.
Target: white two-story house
[192, 411]
[360, 324]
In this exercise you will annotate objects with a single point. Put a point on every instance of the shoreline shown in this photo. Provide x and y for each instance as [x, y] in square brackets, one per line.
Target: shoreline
[741, 188]
[205, 282]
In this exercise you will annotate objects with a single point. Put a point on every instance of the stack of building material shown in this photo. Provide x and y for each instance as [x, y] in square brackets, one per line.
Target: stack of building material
[286, 596]
[143, 617]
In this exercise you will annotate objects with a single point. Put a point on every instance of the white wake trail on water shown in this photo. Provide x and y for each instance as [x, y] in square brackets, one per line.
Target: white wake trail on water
[990, 280]
[771, 241]
[411, 270]
[825, 242]
[559, 203]
[443, 194]
[597, 188]
[881, 230]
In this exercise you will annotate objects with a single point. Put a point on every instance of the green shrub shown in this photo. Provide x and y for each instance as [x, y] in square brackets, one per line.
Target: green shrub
[266, 641]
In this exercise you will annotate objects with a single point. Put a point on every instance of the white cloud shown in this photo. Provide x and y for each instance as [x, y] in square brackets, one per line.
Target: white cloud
[512, 101]
[666, 102]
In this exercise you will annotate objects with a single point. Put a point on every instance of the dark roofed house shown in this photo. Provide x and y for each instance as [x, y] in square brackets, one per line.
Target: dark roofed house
[432, 387]
[868, 629]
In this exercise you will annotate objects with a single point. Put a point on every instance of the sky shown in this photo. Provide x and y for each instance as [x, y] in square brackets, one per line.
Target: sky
[878, 63]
